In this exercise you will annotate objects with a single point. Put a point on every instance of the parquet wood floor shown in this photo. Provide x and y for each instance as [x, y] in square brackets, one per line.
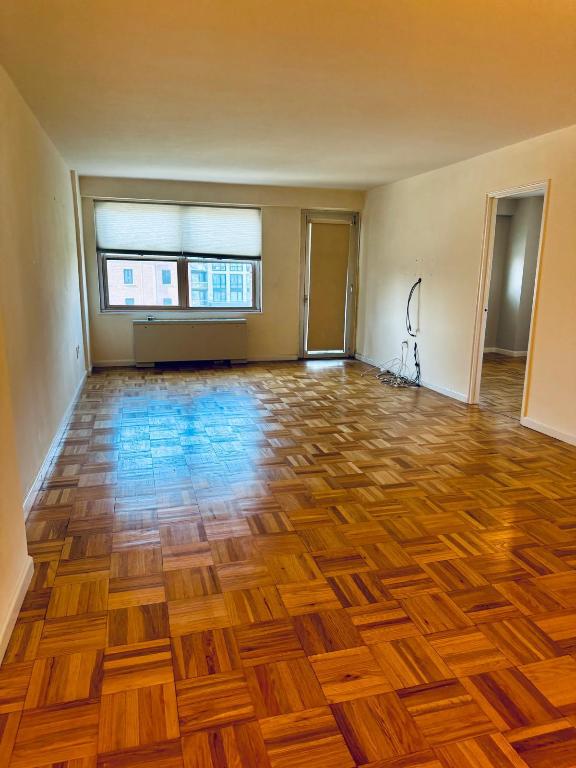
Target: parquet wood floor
[502, 384]
[292, 565]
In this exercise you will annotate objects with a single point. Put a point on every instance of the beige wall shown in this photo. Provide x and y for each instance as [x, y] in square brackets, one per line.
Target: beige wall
[273, 333]
[14, 560]
[431, 226]
[39, 290]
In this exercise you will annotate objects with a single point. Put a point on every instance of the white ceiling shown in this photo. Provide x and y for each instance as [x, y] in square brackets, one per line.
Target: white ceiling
[303, 92]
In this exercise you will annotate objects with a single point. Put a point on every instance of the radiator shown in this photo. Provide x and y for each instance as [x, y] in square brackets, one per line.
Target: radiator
[157, 341]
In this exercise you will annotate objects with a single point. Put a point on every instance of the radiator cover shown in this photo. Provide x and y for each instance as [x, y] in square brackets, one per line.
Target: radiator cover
[157, 341]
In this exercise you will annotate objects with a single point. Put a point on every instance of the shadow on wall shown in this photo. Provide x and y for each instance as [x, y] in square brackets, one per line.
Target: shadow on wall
[514, 264]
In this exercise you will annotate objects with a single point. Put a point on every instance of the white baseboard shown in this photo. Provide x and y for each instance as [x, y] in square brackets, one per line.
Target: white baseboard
[52, 450]
[271, 358]
[566, 437]
[444, 391]
[507, 352]
[367, 360]
[8, 621]
[113, 363]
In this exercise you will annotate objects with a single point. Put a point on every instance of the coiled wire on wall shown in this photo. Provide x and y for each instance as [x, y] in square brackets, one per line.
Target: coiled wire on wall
[395, 372]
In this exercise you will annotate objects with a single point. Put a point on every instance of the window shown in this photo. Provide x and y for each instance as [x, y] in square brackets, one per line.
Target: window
[199, 298]
[236, 287]
[147, 290]
[198, 277]
[179, 256]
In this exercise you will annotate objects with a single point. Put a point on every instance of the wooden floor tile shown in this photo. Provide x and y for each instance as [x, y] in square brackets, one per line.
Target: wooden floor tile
[165, 755]
[308, 597]
[39, 742]
[556, 680]
[138, 717]
[267, 642]
[435, 613]
[284, 686]
[510, 700]
[491, 751]
[520, 640]
[78, 598]
[310, 737]
[551, 745]
[9, 724]
[191, 582]
[247, 606]
[73, 634]
[205, 653]
[380, 622]
[136, 666]
[410, 661]
[14, 681]
[138, 624]
[197, 614]
[229, 747]
[468, 652]
[326, 631]
[24, 642]
[130, 591]
[350, 674]
[445, 712]
[377, 727]
[137, 561]
[62, 679]
[214, 701]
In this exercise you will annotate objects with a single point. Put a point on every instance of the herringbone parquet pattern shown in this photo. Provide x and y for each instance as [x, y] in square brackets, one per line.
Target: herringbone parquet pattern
[293, 565]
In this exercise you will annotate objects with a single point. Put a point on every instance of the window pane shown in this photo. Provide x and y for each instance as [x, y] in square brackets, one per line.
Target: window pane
[198, 277]
[152, 282]
[213, 285]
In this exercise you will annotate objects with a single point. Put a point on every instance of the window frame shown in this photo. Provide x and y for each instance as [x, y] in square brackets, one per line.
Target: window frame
[182, 261]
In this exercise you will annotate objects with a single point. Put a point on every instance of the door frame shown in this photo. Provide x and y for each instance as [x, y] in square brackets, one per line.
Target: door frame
[484, 287]
[352, 218]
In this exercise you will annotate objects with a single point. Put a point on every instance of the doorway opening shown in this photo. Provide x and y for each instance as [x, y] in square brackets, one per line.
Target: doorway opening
[508, 287]
[329, 256]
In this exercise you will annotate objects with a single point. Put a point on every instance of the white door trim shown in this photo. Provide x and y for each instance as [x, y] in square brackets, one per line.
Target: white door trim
[329, 217]
[484, 286]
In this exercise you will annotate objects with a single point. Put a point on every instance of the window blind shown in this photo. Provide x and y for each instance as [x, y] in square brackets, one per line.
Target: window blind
[178, 229]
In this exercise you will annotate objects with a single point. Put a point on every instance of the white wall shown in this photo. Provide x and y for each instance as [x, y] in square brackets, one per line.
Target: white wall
[273, 334]
[39, 288]
[432, 225]
[40, 325]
